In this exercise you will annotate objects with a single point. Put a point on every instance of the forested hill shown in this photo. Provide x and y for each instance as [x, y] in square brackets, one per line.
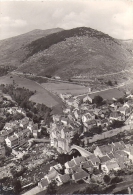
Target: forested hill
[76, 51]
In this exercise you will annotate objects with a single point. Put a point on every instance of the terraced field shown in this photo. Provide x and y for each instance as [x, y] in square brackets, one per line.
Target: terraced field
[41, 96]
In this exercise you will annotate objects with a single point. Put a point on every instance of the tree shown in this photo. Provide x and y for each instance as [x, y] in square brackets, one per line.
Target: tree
[106, 179]
[16, 186]
[51, 189]
[76, 139]
[110, 83]
[117, 124]
[120, 100]
[116, 180]
[97, 100]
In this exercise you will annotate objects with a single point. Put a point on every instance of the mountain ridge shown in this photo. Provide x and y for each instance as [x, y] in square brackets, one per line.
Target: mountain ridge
[70, 52]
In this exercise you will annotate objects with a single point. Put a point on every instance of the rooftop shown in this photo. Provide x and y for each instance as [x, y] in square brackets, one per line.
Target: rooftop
[64, 178]
[105, 149]
[80, 175]
[44, 182]
[104, 159]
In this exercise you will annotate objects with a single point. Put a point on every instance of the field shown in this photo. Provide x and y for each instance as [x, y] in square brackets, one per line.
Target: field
[64, 88]
[41, 96]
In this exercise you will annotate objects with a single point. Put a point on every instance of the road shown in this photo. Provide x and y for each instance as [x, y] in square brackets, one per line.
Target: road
[123, 185]
[121, 85]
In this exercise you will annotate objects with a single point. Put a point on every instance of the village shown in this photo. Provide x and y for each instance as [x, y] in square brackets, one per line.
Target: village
[75, 129]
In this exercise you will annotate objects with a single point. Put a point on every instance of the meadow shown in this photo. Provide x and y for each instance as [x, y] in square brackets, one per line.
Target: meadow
[41, 96]
[65, 88]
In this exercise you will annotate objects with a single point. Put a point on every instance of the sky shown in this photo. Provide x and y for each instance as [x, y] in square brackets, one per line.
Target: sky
[113, 17]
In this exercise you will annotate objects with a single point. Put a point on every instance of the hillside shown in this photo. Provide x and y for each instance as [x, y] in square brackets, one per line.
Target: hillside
[12, 49]
[77, 51]
[128, 44]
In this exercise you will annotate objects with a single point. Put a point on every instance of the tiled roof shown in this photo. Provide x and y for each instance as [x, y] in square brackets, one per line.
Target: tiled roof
[71, 163]
[12, 138]
[80, 175]
[52, 174]
[121, 152]
[76, 168]
[1, 139]
[104, 159]
[79, 159]
[110, 155]
[112, 164]
[64, 178]
[93, 159]
[117, 146]
[44, 182]
[105, 149]
[87, 164]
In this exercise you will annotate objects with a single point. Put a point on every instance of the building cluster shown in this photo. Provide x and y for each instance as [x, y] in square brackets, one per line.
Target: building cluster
[82, 113]
[15, 132]
[106, 158]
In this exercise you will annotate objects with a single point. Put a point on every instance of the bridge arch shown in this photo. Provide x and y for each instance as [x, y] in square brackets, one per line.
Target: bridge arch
[81, 150]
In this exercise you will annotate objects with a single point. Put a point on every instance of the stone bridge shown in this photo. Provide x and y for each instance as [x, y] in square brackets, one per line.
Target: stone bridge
[81, 150]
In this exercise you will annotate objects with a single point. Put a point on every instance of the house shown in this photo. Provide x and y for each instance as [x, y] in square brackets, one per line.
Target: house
[43, 183]
[98, 122]
[8, 126]
[80, 175]
[130, 96]
[102, 150]
[129, 151]
[88, 125]
[94, 160]
[87, 99]
[69, 164]
[105, 123]
[35, 133]
[62, 179]
[87, 117]
[64, 121]
[63, 144]
[4, 134]
[106, 167]
[2, 148]
[67, 110]
[79, 159]
[104, 159]
[124, 110]
[96, 111]
[24, 122]
[22, 136]
[115, 116]
[73, 170]
[118, 145]
[67, 133]
[52, 174]
[110, 155]
[56, 118]
[129, 121]
[87, 166]
[19, 135]
[126, 105]
[12, 141]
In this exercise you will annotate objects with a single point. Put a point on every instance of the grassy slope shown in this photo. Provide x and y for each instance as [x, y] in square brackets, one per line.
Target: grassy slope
[41, 96]
[12, 50]
[76, 51]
